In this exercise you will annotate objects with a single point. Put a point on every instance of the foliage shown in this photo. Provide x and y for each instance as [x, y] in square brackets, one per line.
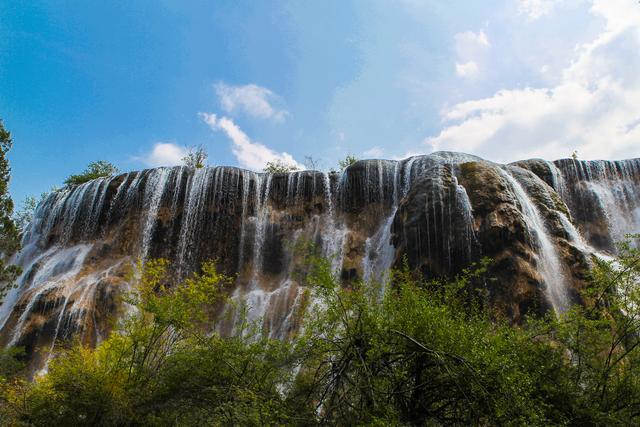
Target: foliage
[418, 353]
[602, 342]
[196, 157]
[25, 214]
[347, 161]
[94, 170]
[10, 362]
[9, 233]
[161, 367]
[279, 166]
[427, 354]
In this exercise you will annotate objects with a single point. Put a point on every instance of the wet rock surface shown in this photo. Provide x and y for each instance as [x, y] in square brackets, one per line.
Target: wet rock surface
[538, 221]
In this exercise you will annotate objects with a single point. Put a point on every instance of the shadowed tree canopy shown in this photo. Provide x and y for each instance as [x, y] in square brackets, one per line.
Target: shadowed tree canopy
[9, 233]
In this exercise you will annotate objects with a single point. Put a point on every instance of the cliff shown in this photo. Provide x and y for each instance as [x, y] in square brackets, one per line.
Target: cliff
[539, 221]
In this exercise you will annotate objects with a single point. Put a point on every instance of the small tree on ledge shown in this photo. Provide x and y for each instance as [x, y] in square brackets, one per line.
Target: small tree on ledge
[98, 169]
[196, 157]
[279, 166]
[348, 161]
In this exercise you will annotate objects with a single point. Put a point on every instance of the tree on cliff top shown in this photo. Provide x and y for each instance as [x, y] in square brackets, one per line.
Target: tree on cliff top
[9, 234]
[94, 170]
[196, 157]
[348, 161]
[278, 166]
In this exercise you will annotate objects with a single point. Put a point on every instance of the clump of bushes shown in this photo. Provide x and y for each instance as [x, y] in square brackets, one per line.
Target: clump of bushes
[94, 170]
[424, 353]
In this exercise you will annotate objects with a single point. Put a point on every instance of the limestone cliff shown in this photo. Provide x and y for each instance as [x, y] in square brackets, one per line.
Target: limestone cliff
[539, 221]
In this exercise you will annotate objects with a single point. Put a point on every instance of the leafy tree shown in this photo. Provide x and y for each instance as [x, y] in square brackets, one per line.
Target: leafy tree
[9, 233]
[347, 161]
[24, 215]
[10, 362]
[424, 355]
[279, 166]
[196, 157]
[413, 352]
[94, 170]
[602, 342]
[162, 367]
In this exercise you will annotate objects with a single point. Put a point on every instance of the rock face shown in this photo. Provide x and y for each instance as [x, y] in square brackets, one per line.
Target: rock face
[539, 222]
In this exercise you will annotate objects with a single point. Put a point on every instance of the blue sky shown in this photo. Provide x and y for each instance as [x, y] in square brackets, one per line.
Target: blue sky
[137, 82]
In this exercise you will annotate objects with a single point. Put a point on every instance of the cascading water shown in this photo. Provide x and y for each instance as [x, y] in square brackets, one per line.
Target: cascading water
[603, 196]
[549, 264]
[429, 208]
[154, 190]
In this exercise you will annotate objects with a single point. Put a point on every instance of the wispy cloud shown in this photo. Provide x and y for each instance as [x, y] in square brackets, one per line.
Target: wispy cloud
[471, 49]
[535, 9]
[467, 70]
[253, 100]
[250, 154]
[374, 152]
[163, 154]
[590, 108]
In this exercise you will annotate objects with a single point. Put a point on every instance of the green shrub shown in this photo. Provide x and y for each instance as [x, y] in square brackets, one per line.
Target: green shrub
[418, 353]
[94, 170]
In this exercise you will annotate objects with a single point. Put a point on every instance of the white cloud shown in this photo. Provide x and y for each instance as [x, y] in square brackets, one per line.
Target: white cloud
[251, 155]
[591, 109]
[164, 154]
[471, 49]
[374, 152]
[535, 9]
[253, 100]
[467, 70]
[468, 43]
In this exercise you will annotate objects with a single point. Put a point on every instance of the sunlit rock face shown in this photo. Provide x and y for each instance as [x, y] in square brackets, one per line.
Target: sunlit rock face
[538, 221]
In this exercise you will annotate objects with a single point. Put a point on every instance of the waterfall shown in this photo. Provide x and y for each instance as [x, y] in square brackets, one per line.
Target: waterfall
[427, 208]
[333, 241]
[379, 251]
[549, 264]
[153, 193]
[604, 197]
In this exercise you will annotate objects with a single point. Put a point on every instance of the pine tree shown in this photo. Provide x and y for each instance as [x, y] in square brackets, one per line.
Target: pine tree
[9, 233]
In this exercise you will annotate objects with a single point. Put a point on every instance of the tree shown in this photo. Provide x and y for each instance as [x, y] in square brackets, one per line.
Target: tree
[279, 166]
[196, 157]
[414, 352]
[24, 215]
[94, 170]
[9, 233]
[161, 366]
[311, 163]
[347, 161]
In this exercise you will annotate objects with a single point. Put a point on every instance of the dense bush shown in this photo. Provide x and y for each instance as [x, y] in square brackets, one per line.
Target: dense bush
[94, 170]
[279, 166]
[424, 353]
